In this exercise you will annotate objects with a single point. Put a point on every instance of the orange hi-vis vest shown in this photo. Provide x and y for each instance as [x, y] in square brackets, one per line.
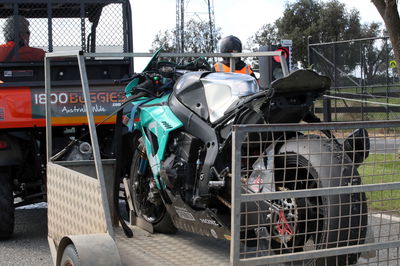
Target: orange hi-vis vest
[219, 67]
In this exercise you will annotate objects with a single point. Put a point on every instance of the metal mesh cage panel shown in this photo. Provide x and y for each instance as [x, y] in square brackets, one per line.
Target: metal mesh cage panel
[109, 27]
[308, 198]
[59, 26]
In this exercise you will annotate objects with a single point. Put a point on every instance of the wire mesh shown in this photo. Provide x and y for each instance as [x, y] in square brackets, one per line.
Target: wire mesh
[364, 85]
[99, 26]
[309, 196]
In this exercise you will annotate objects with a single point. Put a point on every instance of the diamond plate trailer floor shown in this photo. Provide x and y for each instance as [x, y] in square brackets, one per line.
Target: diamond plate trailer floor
[178, 249]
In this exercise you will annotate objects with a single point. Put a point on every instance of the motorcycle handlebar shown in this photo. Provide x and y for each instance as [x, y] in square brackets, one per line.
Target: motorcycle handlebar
[147, 87]
[120, 81]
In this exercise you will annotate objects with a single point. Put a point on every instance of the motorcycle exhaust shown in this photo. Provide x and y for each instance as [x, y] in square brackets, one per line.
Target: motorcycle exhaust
[357, 145]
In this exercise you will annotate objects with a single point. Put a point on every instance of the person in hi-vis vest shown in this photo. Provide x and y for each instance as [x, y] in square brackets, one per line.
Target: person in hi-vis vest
[232, 44]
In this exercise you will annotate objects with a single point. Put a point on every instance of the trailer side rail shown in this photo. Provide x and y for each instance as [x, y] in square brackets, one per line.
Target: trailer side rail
[297, 156]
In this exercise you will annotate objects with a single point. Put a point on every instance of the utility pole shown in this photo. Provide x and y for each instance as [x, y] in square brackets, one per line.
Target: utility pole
[186, 11]
[180, 26]
[211, 19]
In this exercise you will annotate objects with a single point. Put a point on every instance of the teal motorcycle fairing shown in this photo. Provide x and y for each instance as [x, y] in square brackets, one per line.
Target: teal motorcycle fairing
[155, 121]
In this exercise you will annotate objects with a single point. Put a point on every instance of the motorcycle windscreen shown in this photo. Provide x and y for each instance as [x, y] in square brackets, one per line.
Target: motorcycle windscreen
[222, 89]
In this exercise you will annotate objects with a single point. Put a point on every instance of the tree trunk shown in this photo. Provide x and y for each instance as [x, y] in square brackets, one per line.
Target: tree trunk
[388, 11]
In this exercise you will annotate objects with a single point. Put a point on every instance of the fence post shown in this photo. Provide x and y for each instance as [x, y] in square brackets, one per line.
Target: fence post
[265, 68]
[387, 78]
[309, 51]
[362, 80]
[327, 102]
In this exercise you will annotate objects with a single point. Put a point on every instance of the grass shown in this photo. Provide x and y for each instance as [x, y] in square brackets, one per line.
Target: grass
[382, 168]
[368, 93]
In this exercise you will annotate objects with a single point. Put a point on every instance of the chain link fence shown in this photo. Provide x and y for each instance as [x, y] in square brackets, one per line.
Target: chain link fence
[364, 86]
[91, 26]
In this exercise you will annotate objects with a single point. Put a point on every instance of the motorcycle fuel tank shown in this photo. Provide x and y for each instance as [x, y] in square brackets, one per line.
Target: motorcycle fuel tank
[209, 94]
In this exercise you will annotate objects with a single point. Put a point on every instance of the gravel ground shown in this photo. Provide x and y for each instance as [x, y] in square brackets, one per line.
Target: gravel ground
[29, 244]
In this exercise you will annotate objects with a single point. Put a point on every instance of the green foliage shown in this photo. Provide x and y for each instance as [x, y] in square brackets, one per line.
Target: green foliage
[166, 40]
[315, 21]
[267, 35]
[197, 38]
[375, 55]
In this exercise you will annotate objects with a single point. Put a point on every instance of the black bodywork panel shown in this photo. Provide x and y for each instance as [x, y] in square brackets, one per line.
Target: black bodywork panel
[189, 90]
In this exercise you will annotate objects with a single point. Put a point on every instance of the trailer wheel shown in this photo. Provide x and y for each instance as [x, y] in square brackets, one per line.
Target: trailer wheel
[6, 206]
[150, 209]
[70, 256]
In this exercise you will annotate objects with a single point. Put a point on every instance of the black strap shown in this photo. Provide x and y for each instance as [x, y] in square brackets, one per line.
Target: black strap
[312, 118]
[118, 172]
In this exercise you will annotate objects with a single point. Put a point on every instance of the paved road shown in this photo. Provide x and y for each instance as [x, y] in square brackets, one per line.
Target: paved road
[382, 145]
[29, 244]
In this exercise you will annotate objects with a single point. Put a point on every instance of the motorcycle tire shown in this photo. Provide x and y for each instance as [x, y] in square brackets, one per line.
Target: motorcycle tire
[6, 207]
[156, 214]
[310, 162]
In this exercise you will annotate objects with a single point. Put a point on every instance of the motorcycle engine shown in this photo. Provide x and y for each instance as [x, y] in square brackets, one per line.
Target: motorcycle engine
[180, 166]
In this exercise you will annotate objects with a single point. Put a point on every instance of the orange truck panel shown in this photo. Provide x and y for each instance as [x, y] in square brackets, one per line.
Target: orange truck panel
[22, 107]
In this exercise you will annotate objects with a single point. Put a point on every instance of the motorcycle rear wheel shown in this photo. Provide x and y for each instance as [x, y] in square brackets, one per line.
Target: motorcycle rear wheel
[152, 211]
[310, 162]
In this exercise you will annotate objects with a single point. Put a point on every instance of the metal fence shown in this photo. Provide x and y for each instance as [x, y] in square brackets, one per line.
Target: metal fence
[364, 86]
[304, 198]
[91, 26]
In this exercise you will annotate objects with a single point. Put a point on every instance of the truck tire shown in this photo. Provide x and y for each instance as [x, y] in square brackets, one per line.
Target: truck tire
[156, 214]
[311, 162]
[6, 207]
[70, 256]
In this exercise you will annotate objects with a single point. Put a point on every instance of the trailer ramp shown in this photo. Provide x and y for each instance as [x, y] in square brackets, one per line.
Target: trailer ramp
[178, 249]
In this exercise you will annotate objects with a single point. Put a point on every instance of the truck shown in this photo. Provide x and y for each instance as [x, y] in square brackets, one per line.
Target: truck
[54, 26]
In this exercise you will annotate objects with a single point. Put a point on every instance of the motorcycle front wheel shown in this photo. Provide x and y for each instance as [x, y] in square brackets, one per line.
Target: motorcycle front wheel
[146, 199]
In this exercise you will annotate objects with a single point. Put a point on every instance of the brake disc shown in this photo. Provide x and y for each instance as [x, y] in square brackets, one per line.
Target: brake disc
[284, 221]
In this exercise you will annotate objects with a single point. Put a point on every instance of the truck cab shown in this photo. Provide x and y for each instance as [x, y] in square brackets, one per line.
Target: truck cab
[54, 26]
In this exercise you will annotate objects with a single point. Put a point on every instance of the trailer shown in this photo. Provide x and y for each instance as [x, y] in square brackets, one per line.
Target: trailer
[84, 227]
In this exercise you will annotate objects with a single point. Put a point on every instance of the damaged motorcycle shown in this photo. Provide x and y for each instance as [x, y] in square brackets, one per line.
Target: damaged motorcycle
[180, 176]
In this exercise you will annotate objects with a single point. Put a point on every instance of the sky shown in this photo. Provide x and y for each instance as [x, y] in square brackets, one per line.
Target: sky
[234, 17]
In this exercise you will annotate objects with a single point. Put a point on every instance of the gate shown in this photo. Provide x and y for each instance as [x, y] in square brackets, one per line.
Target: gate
[364, 86]
[302, 196]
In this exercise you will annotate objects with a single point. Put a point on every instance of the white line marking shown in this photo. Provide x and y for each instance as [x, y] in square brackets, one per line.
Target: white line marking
[386, 217]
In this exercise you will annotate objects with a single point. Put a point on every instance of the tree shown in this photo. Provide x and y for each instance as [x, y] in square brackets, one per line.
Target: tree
[165, 40]
[374, 53]
[300, 20]
[266, 35]
[323, 21]
[388, 11]
[328, 21]
[312, 20]
[197, 38]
